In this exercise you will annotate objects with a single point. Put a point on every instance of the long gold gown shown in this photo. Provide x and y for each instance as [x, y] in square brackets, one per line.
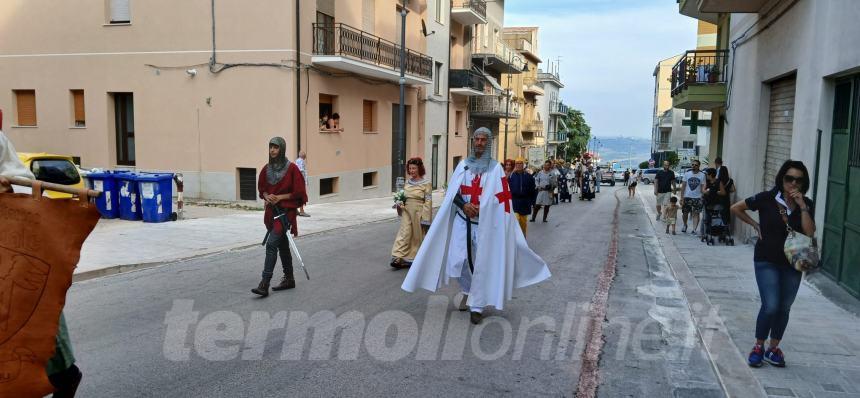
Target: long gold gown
[417, 211]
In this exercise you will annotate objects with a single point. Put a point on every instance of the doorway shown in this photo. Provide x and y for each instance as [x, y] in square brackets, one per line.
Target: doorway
[395, 127]
[434, 162]
[124, 128]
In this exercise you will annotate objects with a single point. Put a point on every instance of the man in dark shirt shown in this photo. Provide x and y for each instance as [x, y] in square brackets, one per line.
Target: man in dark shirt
[664, 185]
[523, 193]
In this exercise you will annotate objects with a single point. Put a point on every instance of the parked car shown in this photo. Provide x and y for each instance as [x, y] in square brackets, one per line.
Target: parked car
[608, 177]
[57, 169]
[648, 175]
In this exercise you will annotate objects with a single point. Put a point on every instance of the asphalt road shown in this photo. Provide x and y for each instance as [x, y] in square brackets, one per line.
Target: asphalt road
[193, 328]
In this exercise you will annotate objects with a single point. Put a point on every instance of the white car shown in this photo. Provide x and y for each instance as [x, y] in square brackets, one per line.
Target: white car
[648, 175]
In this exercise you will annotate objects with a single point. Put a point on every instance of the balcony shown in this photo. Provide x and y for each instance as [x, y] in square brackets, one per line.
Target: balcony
[550, 78]
[526, 48]
[691, 9]
[662, 146]
[699, 80]
[731, 6]
[556, 137]
[525, 139]
[530, 86]
[465, 82]
[493, 106]
[557, 108]
[469, 12]
[498, 57]
[345, 48]
[534, 126]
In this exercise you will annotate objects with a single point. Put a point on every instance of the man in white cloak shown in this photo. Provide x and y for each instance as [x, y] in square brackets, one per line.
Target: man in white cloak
[475, 237]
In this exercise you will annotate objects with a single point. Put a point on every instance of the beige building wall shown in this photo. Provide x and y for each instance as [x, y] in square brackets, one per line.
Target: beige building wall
[205, 125]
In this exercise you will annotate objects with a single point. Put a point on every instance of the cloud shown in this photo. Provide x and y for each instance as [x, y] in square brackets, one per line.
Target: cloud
[609, 50]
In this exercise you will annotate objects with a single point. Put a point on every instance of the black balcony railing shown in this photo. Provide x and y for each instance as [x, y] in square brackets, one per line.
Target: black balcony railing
[558, 107]
[700, 67]
[478, 6]
[344, 40]
[465, 78]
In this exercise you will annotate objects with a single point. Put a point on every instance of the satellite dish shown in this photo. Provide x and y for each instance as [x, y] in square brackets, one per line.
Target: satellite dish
[424, 29]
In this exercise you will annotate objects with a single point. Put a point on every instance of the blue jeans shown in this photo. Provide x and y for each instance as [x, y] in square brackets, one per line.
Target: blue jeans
[777, 286]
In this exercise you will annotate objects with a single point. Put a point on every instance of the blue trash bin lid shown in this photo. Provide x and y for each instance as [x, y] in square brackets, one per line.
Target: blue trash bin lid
[154, 177]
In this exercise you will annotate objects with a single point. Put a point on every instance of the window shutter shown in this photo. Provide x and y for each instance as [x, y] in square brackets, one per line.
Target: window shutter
[368, 115]
[120, 11]
[80, 115]
[26, 107]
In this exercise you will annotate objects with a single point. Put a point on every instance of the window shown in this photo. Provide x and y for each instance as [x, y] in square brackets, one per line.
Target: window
[369, 116]
[328, 186]
[689, 144]
[370, 179]
[439, 5]
[329, 121]
[247, 183]
[119, 11]
[57, 171]
[25, 102]
[687, 113]
[437, 83]
[458, 122]
[368, 15]
[79, 118]
[457, 160]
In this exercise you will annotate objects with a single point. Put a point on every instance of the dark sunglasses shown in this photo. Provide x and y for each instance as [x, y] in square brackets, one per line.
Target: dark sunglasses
[790, 179]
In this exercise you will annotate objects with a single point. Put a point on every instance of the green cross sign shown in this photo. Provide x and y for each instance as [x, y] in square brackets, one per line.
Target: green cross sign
[694, 122]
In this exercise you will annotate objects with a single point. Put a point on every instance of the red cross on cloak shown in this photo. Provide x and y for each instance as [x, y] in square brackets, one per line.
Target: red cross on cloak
[474, 191]
[505, 195]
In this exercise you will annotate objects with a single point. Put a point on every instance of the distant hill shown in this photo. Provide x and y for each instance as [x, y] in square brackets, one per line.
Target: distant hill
[620, 149]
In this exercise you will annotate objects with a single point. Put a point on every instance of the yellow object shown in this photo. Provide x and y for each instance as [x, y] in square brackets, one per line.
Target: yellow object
[58, 169]
[417, 210]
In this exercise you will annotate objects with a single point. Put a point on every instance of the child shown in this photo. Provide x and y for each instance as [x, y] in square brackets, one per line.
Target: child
[671, 213]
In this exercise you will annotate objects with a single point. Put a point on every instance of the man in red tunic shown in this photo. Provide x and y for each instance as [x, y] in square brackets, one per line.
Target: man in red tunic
[282, 186]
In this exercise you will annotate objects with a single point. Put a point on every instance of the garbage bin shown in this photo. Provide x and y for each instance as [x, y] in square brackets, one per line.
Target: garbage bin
[156, 196]
[129, 200]
[108, 201]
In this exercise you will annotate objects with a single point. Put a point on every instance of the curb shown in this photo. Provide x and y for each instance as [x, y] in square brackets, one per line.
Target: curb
[125, 268]
[735, 377]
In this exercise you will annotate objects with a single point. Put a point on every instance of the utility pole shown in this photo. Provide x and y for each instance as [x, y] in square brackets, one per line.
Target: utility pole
[401, 133]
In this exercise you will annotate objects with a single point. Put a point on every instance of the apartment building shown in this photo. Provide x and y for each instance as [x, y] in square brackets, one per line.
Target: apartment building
[200, 86]
[552, 111]
[794, 90]
[675, 129]
[528, 136]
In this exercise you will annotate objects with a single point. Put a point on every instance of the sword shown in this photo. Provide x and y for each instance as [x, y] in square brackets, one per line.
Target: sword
[281, 216]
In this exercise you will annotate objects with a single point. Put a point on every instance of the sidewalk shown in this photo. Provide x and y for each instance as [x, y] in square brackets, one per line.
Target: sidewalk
[822, 341]
[119, 246]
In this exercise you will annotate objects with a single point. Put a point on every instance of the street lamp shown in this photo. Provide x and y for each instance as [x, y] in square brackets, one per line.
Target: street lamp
[508, 103]
[400, 180]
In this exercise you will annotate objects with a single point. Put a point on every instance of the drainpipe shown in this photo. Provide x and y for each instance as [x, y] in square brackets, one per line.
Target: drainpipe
[298, 77]
[448, 106]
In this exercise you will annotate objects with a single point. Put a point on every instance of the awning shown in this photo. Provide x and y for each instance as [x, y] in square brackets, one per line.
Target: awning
[489, 78]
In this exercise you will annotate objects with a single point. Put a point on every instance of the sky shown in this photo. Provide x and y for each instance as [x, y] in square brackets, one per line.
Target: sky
[608, 50]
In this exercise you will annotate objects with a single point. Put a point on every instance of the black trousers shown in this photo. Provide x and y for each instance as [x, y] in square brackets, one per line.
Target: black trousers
[277, 244]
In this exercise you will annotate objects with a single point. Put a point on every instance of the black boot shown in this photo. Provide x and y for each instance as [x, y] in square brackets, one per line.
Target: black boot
[263, 289]
[476, 317]
[287, 282]
[66, 382]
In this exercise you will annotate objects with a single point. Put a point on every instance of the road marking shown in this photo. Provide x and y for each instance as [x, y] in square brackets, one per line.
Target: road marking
[589, 375]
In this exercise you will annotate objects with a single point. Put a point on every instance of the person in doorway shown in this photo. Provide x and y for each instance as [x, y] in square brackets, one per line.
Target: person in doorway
[671, 214]
[692, 190]
[664, 186]
[282, 188]
[475, 238]
[415, 215]
[783, 208]
[545, 181]
[301, 162]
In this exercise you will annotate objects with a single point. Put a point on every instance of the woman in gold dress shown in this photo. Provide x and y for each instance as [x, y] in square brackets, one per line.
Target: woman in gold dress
[415, 215]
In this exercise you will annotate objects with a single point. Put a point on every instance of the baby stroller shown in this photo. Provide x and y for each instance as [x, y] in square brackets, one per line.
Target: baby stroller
[715, 225]
[587, 189]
